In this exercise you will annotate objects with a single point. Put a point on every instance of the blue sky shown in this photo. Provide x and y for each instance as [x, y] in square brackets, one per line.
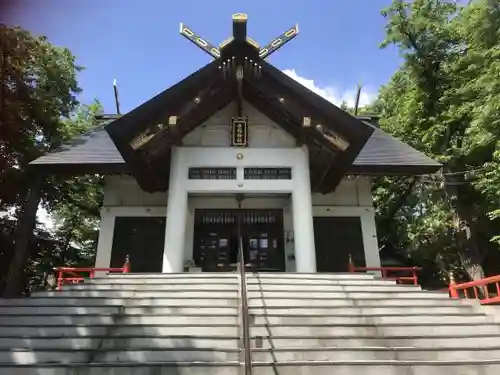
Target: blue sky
[138, 42]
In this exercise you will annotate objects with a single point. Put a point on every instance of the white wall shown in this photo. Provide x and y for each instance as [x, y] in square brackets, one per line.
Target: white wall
[262, 132]
[123, 197]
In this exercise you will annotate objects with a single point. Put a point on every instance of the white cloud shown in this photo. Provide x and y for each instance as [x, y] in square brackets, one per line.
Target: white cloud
[331, 93]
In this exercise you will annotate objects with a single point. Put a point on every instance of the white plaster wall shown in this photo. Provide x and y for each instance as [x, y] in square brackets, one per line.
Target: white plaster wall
[124, 191]
[262, 132]
[351, 198]
[350, 192]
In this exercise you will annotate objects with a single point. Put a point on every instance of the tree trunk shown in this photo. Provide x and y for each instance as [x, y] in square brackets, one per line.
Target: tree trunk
[15, 280]
[466, 236]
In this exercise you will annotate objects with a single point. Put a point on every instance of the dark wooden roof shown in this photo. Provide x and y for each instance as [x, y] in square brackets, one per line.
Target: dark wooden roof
[140, 141]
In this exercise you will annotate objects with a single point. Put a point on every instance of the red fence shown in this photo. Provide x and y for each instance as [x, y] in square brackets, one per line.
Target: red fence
[486, 290]
[75, 275]
[402, 275]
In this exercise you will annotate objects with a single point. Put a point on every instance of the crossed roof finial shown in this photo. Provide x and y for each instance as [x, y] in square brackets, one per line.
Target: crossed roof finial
[239, 36]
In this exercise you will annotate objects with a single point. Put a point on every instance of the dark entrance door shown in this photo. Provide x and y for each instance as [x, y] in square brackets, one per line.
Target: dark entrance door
[143, 239]
[216, 239]
[335, 238]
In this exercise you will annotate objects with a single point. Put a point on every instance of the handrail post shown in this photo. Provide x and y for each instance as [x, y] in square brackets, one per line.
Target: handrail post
[126, 265]
[415, 277]
[247, 352]
[59, 279]
[451, 286]
[351, 266]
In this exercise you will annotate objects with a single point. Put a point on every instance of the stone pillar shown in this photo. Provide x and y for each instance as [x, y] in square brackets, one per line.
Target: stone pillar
[105, 242]
[177, 213]
[305, 251]
[370, 241]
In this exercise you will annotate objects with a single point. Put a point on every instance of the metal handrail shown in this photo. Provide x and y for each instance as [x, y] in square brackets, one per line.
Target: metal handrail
[245, 318]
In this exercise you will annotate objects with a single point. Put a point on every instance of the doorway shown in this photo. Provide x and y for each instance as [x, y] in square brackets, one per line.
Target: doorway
[142, 239]
[335, 238]
[216, 239]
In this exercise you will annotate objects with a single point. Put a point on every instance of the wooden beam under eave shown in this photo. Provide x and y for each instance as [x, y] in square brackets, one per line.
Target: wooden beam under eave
[273, 108]
[292, 112]
[338, 170]
[209, 106]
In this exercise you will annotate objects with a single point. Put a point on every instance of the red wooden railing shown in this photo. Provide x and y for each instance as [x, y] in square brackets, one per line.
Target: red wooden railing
[479, 289]
[402, 275]
[75, 275]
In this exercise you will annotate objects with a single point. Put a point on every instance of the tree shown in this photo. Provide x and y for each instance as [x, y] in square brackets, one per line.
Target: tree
[444, 101]
[38, 89]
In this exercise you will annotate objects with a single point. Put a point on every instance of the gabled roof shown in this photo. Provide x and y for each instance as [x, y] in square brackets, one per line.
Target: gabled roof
[140, 142]
[144, 139]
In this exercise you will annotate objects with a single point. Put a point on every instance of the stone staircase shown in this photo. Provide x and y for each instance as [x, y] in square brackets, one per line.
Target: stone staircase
[188, 324]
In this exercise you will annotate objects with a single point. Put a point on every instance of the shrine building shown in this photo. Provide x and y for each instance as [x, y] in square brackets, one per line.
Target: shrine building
[236, 151]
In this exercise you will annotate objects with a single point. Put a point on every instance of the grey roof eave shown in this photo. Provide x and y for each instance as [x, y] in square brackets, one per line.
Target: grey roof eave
[381, 154]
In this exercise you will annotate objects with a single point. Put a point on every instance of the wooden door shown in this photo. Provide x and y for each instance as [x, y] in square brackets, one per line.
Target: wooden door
[263, 239]
[216, 239]
[335, 238]
[143, 239]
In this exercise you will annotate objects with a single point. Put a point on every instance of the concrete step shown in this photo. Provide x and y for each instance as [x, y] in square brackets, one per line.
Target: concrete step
[325, 282]
[251, 287]
[125, 368]
[372, 330]
[179, 281]
[346, 319]
[320, 288]
[121, 293]
[436, 341]
[173, 276]
[121, 343]
[463, 367]
[345, 302]
[385, 367]
[348, 295]
[374, 353]
[173, 287]
[119, 330]
[118, 309]
[65, 320]
[307, 276]
[27, 356]
[309, 281]
[365, 310]
[188, 354]
[186, 282]
[129, 302]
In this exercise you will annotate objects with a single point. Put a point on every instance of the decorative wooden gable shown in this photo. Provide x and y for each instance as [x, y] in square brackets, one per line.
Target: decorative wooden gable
[239, 72]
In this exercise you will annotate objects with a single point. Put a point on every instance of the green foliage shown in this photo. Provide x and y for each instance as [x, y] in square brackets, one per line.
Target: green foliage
[444, 101]
[38, 113]
[38, 89]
